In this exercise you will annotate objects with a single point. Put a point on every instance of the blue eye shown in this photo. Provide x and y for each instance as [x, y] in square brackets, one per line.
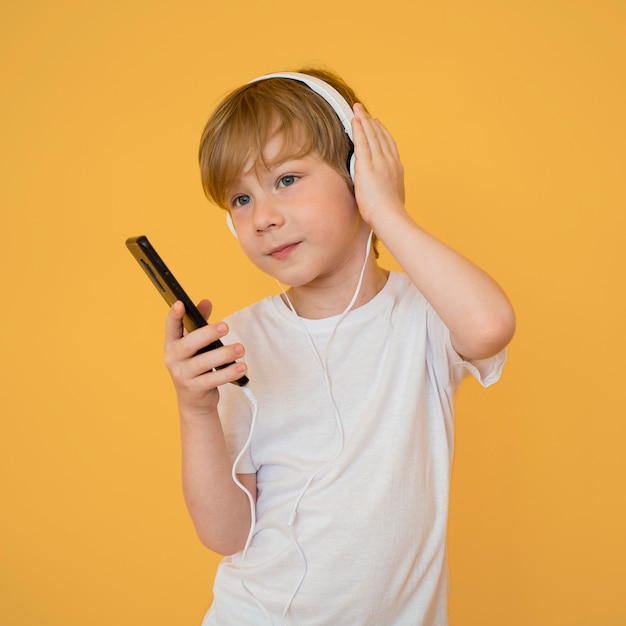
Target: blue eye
[288, 180]
[242, 200]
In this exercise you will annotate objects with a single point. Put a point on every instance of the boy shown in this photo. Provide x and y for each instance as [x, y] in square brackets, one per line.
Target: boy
[329, 491]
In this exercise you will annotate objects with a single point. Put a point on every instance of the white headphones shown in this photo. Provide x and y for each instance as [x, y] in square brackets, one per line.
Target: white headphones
[334, 99]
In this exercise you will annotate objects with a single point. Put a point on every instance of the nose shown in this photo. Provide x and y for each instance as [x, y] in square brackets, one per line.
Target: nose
[266, 214]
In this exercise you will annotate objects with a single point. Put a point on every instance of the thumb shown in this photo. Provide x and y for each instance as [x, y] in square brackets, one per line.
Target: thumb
[205, 307]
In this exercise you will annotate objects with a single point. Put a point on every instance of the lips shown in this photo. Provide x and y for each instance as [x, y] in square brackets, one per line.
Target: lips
[284, 251]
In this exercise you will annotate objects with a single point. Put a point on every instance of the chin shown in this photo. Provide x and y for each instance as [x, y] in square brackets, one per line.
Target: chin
[294, 279]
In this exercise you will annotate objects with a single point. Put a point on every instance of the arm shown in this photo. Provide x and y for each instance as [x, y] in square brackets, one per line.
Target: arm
[471, 304]
[220, 510]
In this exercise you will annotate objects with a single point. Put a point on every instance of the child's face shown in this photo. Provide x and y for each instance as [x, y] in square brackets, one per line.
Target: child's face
[297, 219]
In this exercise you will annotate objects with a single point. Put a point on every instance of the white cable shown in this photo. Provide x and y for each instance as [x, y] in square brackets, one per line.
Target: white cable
[255, 404]
[324, 365]
[253, 400]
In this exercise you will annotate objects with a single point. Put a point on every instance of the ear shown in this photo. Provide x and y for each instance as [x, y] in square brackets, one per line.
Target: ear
[231, 226]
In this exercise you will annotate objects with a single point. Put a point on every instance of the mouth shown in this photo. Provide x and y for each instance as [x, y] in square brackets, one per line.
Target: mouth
[284, 251]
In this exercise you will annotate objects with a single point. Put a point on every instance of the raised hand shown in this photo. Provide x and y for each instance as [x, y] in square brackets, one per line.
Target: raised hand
[379, 175]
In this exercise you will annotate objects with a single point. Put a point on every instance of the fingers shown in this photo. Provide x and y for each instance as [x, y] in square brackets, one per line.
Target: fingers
[371, 137]
[174, 322]
[205, 307]
[362, 146]
[183, 345]
[379, 175]
[174, 328]
[200, 364]
[182, 356]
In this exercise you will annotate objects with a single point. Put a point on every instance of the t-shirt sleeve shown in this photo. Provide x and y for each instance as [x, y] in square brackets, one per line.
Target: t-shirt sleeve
[485, 371]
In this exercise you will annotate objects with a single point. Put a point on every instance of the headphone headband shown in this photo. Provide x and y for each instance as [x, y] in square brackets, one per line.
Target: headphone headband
[322, 88]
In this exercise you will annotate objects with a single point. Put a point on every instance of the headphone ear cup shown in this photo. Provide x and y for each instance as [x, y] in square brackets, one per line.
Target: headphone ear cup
[231, 226]
[351, 161]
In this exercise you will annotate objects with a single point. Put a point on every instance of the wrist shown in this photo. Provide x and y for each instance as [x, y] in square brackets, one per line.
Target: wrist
[390, 219]
[197, 415]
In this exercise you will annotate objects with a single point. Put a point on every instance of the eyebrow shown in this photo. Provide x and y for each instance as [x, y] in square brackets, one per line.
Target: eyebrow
[270, 166]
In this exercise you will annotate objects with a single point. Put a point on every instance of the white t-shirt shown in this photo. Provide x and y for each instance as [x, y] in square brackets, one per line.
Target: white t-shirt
[369, 535]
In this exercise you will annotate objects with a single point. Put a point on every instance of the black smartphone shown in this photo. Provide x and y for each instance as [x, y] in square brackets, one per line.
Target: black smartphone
[170, 289]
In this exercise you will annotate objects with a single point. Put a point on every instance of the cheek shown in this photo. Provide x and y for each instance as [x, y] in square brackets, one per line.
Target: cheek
[248, 249]
[343, 214]
[250, 246]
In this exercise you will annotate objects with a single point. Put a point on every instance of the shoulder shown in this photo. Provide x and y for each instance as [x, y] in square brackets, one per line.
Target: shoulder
[414, 314]
[261, 309]
[265, 318]
[401, 290]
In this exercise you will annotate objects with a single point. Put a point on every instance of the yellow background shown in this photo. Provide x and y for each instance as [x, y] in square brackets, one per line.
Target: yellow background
[510, 120]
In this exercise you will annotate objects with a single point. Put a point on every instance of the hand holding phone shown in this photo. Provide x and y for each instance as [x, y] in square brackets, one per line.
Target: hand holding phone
[171, 291]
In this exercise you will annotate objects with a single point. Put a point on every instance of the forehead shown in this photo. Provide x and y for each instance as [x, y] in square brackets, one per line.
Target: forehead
[277, 149]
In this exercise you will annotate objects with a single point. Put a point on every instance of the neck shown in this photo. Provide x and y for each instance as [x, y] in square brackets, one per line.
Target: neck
[330, 297]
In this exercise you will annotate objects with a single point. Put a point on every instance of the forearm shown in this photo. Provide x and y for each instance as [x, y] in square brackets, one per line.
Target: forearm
[471, 304]
[220, 510]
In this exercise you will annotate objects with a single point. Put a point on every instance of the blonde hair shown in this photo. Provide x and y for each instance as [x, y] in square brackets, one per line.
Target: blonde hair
[251, 115]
